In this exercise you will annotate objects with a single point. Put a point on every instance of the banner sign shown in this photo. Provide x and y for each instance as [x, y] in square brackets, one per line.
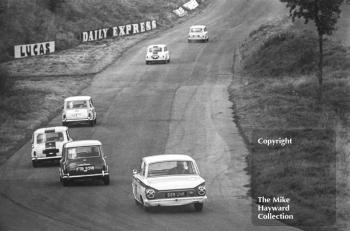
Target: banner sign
[35, 49]
[118, 31]
[191, 5]
[180, 12]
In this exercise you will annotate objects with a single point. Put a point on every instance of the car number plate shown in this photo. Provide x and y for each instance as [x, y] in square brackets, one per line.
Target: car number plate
[85, 168]
[175, 194]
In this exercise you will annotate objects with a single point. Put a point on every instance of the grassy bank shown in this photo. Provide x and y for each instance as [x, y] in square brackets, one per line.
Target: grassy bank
[23, 22]
[274, 93]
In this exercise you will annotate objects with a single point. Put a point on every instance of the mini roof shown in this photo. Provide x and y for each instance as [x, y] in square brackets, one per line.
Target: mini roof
[157, 45]
[167, 157]
[56, 129]
[82, 143]
[72, 98]
[197, 26]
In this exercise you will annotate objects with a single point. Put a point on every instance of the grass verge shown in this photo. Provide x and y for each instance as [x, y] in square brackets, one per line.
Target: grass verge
[274, 93]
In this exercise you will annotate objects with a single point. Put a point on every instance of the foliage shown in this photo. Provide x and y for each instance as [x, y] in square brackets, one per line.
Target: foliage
[6, 82]
[324, 13]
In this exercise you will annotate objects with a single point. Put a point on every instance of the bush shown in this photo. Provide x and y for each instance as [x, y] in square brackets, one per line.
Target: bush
[6, 82]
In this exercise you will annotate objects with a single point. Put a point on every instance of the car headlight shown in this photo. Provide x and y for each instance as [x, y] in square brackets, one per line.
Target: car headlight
[201, 190]
[150, 193]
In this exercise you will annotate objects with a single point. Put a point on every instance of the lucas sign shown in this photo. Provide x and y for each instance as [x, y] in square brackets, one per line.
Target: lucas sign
[118, 31]
[35, 49]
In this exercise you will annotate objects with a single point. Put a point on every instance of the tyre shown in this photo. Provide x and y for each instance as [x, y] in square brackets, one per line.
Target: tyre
[147, 62]
[106, 180]
[65, 124]
[189, 41]
[198, 207]
[65, 182]
[95, 121]
[35, 163]
[91, 122]
[207, 40]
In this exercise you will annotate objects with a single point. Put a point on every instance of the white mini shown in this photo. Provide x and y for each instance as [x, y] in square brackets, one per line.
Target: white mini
[157, 54]
[47, 143]
[78, 109]
[168, 180]
[198, 33]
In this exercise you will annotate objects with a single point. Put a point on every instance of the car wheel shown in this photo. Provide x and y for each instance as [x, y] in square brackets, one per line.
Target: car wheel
[198, 207]
[91, 122]
[147, 62]
[35, 163]
[65, 182]
[65, 124]
[207, 40]
[95, 121]
[106, 180]
[189, 41]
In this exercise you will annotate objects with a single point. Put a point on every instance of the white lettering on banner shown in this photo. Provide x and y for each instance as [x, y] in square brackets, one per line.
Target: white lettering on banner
[180, 12]
[142, 27]
[116, 31]
[148, 25]
[94, 35]
[35, 49]
[128, 29]
[135, 28]
[191, 5]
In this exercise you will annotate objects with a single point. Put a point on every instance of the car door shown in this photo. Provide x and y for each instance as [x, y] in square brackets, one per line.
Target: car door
[138, 182]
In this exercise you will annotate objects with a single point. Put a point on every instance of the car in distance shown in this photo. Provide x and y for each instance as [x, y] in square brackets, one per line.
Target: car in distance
[168, 180]
[83, 159]
[198, 33]
[78, 109]
[47, 143]
[157, 54]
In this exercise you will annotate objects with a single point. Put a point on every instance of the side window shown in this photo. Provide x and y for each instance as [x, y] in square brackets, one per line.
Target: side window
[142, 172]
[68, 136]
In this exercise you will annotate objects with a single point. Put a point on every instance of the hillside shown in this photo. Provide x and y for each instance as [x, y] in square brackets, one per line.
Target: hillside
[274, 93]
[23, 21]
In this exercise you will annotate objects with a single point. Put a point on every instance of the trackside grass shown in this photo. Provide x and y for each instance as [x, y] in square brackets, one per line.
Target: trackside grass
[274, 93]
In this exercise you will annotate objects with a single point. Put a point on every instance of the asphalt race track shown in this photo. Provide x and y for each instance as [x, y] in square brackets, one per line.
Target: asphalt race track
[180, 107]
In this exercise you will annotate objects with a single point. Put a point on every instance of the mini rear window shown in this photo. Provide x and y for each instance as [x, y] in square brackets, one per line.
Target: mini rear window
[196, 29]
[49, 137]
[77, 104]
[155, 49]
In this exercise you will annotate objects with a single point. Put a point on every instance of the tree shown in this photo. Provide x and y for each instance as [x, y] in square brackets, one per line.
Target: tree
[324, 13]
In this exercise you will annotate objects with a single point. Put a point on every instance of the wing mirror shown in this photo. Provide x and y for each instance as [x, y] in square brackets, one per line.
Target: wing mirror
[134, 171]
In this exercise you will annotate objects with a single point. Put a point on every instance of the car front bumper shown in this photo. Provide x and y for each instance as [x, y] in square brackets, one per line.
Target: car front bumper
[174, 201]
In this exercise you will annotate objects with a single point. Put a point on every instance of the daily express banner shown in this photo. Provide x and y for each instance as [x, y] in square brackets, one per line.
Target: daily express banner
[118, 31]
[191, 5]
[180, 12]
[35, 49]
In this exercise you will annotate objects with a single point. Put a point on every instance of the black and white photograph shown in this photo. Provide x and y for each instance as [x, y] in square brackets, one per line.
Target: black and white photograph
[178, 115]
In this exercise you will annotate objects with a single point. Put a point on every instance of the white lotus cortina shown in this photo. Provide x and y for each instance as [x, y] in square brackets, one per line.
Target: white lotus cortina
[78, 109]
[168, 180]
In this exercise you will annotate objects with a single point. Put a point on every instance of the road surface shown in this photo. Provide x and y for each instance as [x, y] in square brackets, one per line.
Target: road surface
[181, 107]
